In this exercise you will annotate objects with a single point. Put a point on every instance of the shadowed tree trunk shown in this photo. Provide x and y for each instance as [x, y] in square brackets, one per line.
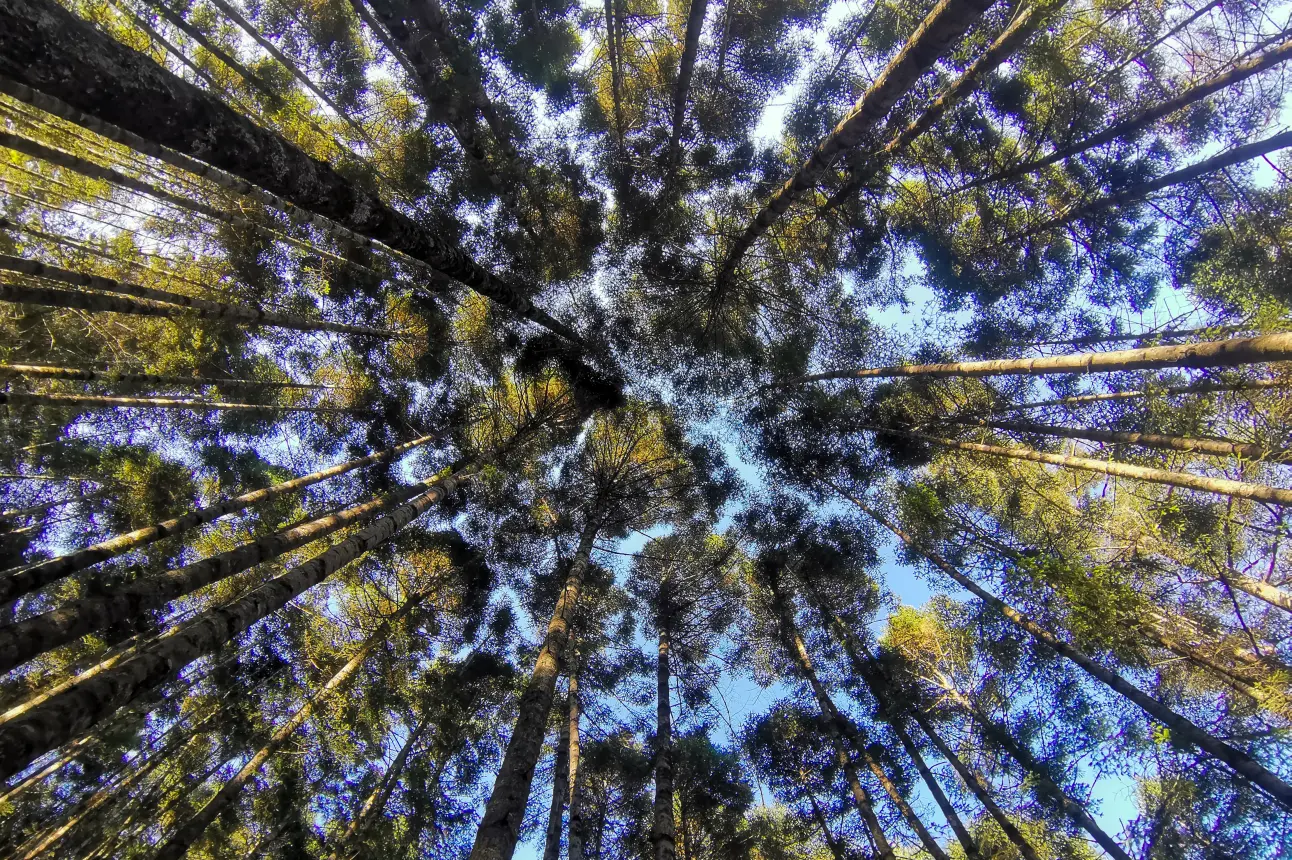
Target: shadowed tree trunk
[87, 375]
[96, 401]
[500, 826]
[560, 792]
[49, 49]
[84, 704]
[831, 841]
[685, 68]
[664, 829]
[944, 26]
[19, 581]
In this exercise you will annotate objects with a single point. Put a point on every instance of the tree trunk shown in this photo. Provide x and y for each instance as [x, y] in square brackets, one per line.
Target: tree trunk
[31, 637]
[560, 793]
[95, 401]
[1134, 124]
[159, 302]
[83, 705]
[940, 796]
[1213, 447]
[831, 841]
[832, 719]
[215, 50]
[19, 581]
[1219, 353]
[500, 826]
[685, 68]
[578, 778]
[1219, 486]
[1259, 589]
[1198, 388]
[190, 831]
[943, 27]
[612, 52]
[1216, 163]
[1242, 764]
[664, 832]
[87, 375]
[1025, 23]
[48, 48]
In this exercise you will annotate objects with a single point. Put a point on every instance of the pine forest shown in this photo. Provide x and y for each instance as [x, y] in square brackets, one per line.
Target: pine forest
[646, 429]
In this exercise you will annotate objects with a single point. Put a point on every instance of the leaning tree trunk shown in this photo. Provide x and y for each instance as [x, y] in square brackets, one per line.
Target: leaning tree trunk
[1218, 353]
[1134, 124]
[82, 374]
[49, 49]
[1185, 444]
[19, 581]
[214, 50]
[560, 793]
[157, 302]
[1198, 388]
[1219, 486]
[83, 705]
[831, 717]
[685, 68]
[1241, 763]
[31, 637]
[943, 27]
[94, 401]
[664, 831]
[499, 827]
[190, 831]
[831, 841]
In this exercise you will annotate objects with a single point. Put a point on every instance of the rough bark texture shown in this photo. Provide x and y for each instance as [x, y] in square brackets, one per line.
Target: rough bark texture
[1132, 125]
[1218, 353]
[49, 49]
[1242, 764]
[190, 831]
[1219, 486]
[84, 704]
[20, 581]
[157, 301]
[664, 830]
[33, 636]
[1214, 447]
[500, 826]
[943, 27]
[82, 374]
[685, 69]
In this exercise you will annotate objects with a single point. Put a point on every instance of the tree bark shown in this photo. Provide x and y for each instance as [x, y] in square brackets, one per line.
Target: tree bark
[1198, 388]
[943, 27]
[88, 375]
[685, 69]
[1219, 353]
[31, 637]
[664, 831]
[1134, 124]
[832, 719]
[190, 831]
[158, 302]
[83, 705]
[19, 581]
[47, 48]
[616, 74]
[1213, 447]
[96, 401]
[500, 826]
[1218, 486]
[1241, 763]
[560, 793]
[578, 778]
[215, 50]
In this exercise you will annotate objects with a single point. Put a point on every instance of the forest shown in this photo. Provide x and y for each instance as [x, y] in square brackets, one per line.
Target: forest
[645, 430]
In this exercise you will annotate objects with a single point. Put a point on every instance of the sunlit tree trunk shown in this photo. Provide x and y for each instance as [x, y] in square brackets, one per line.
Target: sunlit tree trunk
[560, 792]
[1185, 444]
[500, 826]
[83, 705]
[81, 374]
[213, 49]
[1198, 388]
[578, 831]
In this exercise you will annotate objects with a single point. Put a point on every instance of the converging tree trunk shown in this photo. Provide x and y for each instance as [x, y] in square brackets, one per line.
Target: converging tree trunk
[95, 401]
[685, 68]
[84, 704]
[1188, 445]
[578, 830]
[664, 829]
[500, 826]
[81, 374]
[1197, 388]
[560, 791]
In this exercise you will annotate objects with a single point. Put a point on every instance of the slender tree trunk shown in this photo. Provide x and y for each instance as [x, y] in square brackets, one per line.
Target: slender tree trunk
[94, 401]
[1025, 23]
[1242, 679]
[500, 826]
[1219, 486]
[7, 517]
[560, 793]
[1216, 163]
[578, 778]
[88, 375]
[190, 831]
[1219, 353]
[831, 841]
[31, 637]
[1213, 447]
[1259, 589]
[16, 582]
[69, 754]
[832, 719]
[1241, 763]
[83, 705]
[612, 52]
[49, 49]
[943, 27]
[1134, 124]
[1198, 388]
[664, 831]
[215, 50]
[159, 302]
[685, 68]
[940, 796]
